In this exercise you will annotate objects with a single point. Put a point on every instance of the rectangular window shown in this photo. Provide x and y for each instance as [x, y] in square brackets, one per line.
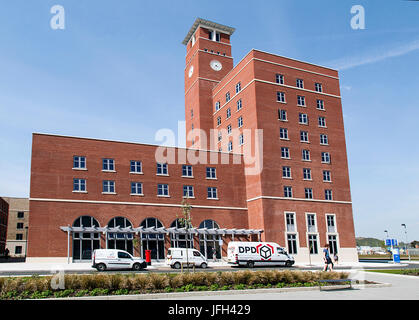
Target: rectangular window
[229, 129]
[285, 153]
[282, 115]
[306, 155]
[162, 168]
[218, 121]
[212, 193]
[303, 136]
[136, 167]
[312, 242]
[308, 192]
[290, 220]
[79, 185]
[331, 228]
[19, 225]
[238, 87]
[279, 78]
[300, 83]
[79, 162]
[283, 133]
[326, 176]
[227, 96]
[323, 139]
[303, 118]
[19, 236]
[328, 194]
[220, 136]
[325, 157]
[287, 192]
[320, 104]
[108, 186]
[230, 146]
[108, 165]
[241, 139]
[239, 104]
[286, 172]
[311, 223]
[188, 192]
[163, 190]
[333, 244]
[240, 122]
[136, 188]
[322, 122]
[318, 87]
[228, 113]
[187, 171]
[217, 106]
[301, 101]
[20, 215]
[306, 174]
[191, 113]
[292, 243]
[211, 173]
[280, 96]
[18, 250]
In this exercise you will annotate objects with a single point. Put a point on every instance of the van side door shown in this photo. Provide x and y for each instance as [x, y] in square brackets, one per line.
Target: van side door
[123, 261]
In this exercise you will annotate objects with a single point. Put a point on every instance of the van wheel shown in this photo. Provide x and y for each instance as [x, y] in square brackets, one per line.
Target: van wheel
[101, 267]
[288, 264]
[176, 265]
[204, 265]
[136, 267]
[250, 264]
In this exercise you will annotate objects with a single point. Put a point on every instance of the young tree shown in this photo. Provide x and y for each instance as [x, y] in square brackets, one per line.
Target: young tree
[186, 222]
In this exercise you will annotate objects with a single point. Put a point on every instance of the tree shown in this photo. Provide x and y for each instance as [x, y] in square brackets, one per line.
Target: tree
[186, 222]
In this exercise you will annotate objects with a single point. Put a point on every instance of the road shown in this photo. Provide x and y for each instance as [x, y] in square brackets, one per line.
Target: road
[165, 269]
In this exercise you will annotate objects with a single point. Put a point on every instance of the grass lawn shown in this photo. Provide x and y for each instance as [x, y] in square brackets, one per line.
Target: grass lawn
[409, 272]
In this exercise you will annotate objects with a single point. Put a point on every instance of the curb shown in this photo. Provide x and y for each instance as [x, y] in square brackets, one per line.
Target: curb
[151, 296]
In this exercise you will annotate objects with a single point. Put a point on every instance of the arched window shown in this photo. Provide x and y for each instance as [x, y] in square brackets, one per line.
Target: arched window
[121, 241]
[85, 242]
[179, 240]
[209, 243]
[153, 241]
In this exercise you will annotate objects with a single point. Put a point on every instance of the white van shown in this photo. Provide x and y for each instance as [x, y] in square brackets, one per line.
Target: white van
[257, 253]
[177, 256]
[104, 259]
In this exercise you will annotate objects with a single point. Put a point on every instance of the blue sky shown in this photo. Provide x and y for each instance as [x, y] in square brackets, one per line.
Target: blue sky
[116, 72]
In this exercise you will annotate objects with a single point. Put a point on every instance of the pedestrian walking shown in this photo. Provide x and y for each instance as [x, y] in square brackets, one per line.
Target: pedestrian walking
[6, 253]
[326, 257]
[214, 254]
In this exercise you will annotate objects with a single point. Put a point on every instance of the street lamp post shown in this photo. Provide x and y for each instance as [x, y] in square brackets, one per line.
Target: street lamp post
[390, 242]
[405, 245]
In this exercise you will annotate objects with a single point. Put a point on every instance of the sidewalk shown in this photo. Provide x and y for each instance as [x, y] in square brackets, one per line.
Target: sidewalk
[160, 265]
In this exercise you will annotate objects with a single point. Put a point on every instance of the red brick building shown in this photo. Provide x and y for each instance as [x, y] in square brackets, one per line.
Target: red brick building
[274, 126]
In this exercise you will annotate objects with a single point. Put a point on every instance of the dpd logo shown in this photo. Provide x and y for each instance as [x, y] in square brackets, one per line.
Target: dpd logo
[265, 251]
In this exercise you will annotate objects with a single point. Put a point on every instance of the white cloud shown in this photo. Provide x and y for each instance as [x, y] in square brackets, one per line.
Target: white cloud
[355, 61]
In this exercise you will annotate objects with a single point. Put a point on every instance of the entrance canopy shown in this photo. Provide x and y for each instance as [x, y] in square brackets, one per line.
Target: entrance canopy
[163, 230]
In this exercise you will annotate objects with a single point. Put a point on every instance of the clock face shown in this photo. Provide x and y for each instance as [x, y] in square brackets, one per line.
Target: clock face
[190, 71]
[216, 65]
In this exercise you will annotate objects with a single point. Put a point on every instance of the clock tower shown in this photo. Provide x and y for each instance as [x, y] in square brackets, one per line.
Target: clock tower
[208, 60]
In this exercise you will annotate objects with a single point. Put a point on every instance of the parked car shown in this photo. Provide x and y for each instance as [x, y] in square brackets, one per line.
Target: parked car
[257, 253]
[177, 256]
[105, 259]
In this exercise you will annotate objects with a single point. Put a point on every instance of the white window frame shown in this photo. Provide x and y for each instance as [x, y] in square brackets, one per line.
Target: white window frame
[187, 166]
[213, 173]
[279, 78]
[322, 122]
[303, 118]
[287, 152]
[189, 190]
[79, 161]
[302, 155]
[328, 157]
[240, 121]
[299, 83]
[79, 184]
[108, 162]
[307, 214]
[110, 184]
[307, 170]
[301, 101]
[283, 134]
[305, 135]
[136, 166]
[324, 139]
[287, 170]
[162, 166]
[164, 188]
[212, 193]
[287, 191]
[136, 188]
[280, 97]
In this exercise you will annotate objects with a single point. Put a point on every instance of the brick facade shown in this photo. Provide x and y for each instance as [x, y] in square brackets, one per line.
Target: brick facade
[258, 199]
